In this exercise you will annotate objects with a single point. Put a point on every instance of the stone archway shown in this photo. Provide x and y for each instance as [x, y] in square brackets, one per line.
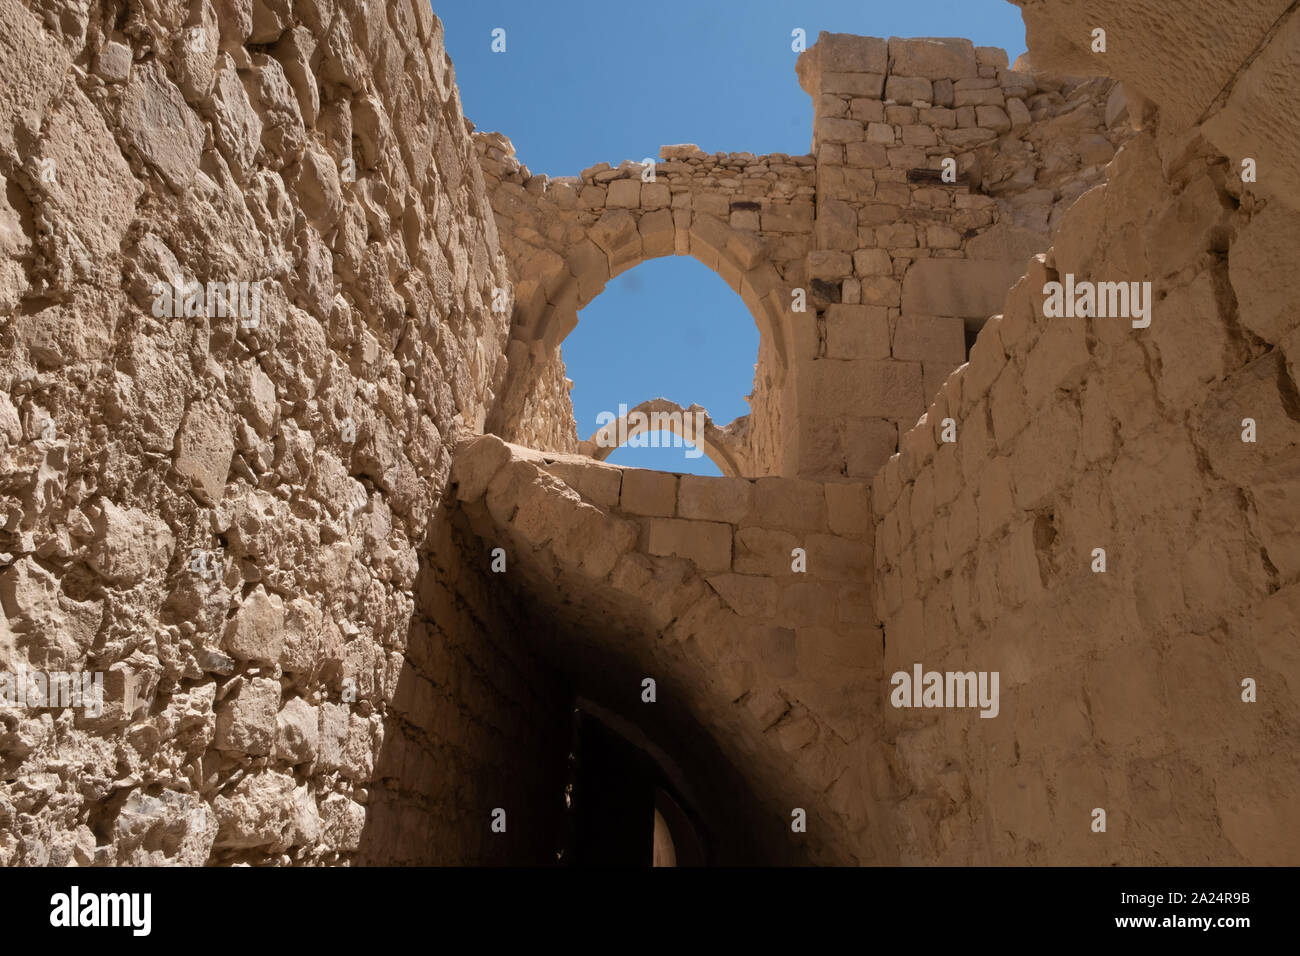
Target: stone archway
[747, 218]
[692, 425]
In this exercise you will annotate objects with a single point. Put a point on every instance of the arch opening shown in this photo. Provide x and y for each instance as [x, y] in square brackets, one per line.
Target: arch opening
[667, 328]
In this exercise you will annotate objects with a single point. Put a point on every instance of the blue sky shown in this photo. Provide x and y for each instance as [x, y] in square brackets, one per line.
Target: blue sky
[581, 83]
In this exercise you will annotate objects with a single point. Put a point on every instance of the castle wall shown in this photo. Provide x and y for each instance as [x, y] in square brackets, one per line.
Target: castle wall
[1121, 683]
[237, 518]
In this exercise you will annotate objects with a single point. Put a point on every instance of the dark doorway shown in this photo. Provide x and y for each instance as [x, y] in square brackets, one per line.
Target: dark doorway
[619, 804]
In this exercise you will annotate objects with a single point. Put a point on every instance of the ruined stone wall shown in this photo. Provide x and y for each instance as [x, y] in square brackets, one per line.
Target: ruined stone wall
[747, 217]
[906, 263]
[237, 517]
[1122, 681]
[862, 266]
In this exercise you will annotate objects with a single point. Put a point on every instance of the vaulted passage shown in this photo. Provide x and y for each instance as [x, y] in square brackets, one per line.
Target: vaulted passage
[742, 600]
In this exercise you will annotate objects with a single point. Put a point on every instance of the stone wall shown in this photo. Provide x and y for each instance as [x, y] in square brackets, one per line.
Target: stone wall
[238, 518]
[765, 659]
[1122, 682]
[863, 268]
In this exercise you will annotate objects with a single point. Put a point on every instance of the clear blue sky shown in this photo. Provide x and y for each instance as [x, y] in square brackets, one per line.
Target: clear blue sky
[581, 83]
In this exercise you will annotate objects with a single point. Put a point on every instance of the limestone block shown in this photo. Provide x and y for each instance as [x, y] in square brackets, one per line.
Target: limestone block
[256, 632]
[832, 130]
[297, 732]
[160, 125]
[848, 509]
[869, 443]
[880, 133]
[872, 262]
[907, 89]
[204, 449]
[829, 264]
[1260, 264]
[790, 503]
[919, 136]
[128, 544]
[930, 338]
[33, 53]
[763, 551]
[793, 217]
[748, 595]
[993, 56]
[301, 651]
[599, 484]
[849, 53]
[934, 58]
[978, 98]
[890, 389]
[1058, 360]
[657, 233]
[996, 119]
[958, 287]
[342, 823]
[256, 812]
[857, 331]
[996, 503]
[866, 155]
[715, 499]
[476, 463]
[854, 84]
[866, 110]
[837, 225]
[616, 233]
[1017, 114]
[246, 718]
[648, 492]
[655, 195]
[1046, 456]
[705, 543]
[624, 194]
[882, 291]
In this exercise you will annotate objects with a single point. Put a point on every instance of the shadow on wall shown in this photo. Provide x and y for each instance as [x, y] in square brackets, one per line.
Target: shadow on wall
[482, 722]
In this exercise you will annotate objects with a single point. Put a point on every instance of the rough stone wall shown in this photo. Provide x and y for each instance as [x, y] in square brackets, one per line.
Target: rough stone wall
[1122, 689]
[693, 581]
[239, 522]
[1230, 70]
[893, 263]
